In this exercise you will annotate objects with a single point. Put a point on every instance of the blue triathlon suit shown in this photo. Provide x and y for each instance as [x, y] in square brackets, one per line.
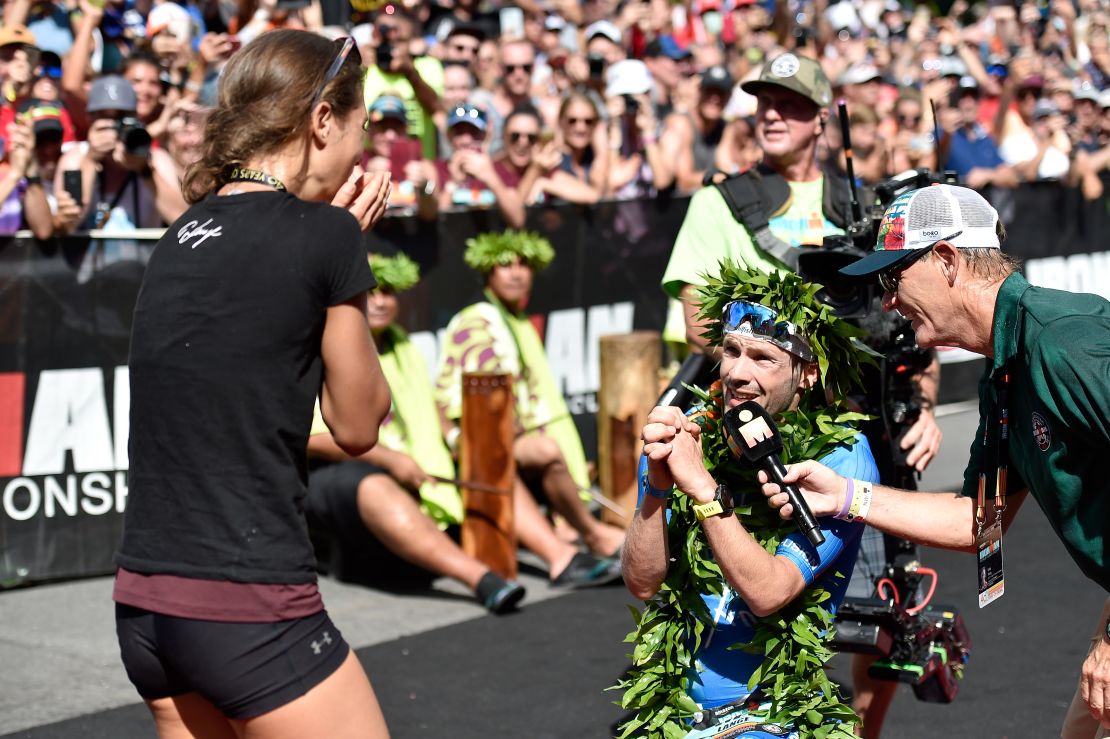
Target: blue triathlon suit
[722, 675]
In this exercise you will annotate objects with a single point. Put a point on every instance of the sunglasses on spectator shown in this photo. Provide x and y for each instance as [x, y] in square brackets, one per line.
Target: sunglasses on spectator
[336, 65]
[889, 279]
[517, 136]
[585, 121]
[759, 321]
[510, 68]
[910, 119]
[465, 48]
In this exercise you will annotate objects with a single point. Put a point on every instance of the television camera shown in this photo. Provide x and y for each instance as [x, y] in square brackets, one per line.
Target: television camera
[915, 642]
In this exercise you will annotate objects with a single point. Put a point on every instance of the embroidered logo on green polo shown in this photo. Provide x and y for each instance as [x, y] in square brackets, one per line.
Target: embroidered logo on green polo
[1041, 432]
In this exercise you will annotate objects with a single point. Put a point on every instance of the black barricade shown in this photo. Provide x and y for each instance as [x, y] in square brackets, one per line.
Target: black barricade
[65, 316]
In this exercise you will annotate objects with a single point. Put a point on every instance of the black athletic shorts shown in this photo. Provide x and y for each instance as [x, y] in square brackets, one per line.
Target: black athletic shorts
[332, 501]
[245, 670]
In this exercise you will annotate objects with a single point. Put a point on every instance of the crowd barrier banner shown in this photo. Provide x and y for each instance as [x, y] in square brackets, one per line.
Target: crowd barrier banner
[65, 317]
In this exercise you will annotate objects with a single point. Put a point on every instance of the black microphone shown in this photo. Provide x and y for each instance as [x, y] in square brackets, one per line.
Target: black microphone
[753, 436]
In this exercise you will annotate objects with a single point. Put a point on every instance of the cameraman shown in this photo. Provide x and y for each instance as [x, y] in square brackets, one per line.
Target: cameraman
[121, 191]
[800, 203]
[417, 81]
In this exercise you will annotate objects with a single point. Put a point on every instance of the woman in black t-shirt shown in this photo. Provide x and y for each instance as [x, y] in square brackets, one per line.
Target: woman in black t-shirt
[253, 303]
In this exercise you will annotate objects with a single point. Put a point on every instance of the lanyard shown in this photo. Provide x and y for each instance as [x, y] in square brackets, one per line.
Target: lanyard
[1002, 454]
[244, 174]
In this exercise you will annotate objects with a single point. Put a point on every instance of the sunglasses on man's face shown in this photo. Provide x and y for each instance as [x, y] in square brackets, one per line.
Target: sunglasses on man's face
[518, 136]
[889, 279]
[465, 48]
[510, 68]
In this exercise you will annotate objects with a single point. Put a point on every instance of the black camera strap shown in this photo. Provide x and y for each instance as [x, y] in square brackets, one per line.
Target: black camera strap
[105, 209]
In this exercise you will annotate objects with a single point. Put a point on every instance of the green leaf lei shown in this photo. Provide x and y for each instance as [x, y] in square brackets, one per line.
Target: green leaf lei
[795, 640]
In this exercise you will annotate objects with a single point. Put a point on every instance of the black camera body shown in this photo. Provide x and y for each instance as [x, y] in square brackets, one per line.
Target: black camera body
[136, 140]
[926, 648]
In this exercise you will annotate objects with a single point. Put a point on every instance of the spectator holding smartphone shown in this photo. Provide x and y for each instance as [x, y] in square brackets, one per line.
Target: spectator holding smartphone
[48, 129]
[23, 201]
[393, 151]
[468, 178]
[123, 191]
[418, 82]
[638, 168]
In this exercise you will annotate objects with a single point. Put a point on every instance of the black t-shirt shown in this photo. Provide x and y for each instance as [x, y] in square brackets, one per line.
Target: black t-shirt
[225, 367]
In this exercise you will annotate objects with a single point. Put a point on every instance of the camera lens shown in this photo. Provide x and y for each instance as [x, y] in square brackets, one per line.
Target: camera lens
[136, 140]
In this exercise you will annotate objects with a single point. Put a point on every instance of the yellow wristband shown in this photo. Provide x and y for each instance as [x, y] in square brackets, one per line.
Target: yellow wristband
[712, 508]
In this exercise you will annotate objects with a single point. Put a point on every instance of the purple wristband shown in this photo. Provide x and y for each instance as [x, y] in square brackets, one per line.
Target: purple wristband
[847, 499]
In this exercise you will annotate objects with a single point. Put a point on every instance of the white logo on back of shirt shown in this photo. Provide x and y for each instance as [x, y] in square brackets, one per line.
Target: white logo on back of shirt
[192, 230]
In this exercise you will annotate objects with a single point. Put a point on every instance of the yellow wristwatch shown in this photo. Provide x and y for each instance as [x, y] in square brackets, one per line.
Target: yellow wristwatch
[721, 505]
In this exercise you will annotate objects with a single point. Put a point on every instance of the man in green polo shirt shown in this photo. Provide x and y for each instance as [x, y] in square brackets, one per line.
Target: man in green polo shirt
[940, 264]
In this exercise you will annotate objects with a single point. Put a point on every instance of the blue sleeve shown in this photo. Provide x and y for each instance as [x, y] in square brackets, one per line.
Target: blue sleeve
[641, 481]
[856, 462]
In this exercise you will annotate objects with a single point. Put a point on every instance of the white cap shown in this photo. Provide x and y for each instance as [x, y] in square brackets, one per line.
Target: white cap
[628, 77]
[952, 66]
[362, 34]
[857, 74]
[843, 15]
[1086, 91]
[603, 28]
[920, 218]
[172, 18]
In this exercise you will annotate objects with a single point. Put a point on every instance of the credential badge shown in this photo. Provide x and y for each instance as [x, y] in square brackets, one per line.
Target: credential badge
[1041, 432]
[785, 66]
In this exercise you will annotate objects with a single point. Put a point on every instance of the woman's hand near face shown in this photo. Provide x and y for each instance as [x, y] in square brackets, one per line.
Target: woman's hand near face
[366, 196]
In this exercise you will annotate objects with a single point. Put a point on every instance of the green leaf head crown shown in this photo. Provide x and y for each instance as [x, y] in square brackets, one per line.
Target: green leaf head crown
[396, 273]
[833, 340]
[486, 251]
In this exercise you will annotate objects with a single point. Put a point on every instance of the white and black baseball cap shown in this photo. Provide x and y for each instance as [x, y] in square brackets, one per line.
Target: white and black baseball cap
[920, 218]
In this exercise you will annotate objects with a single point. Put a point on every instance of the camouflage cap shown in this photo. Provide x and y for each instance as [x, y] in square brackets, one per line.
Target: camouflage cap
[799, 74]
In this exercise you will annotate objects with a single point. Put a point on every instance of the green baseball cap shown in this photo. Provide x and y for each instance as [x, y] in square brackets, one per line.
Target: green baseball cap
[799, 74]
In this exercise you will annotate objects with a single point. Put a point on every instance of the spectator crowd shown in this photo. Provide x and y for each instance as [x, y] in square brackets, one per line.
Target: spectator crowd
[506, 105]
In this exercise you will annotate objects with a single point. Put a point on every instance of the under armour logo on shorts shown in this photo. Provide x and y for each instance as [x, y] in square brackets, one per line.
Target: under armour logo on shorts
[318, 646]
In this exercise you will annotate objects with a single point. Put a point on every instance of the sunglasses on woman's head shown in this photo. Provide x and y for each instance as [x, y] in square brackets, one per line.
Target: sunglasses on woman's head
[336, 65]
